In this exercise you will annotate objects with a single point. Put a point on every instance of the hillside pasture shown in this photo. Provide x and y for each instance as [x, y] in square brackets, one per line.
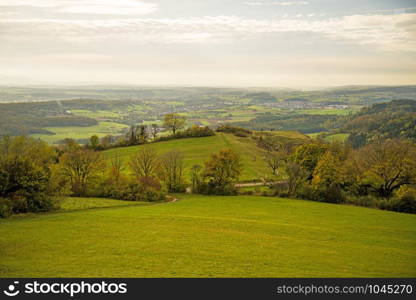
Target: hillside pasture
[199, 150]
[207, 236]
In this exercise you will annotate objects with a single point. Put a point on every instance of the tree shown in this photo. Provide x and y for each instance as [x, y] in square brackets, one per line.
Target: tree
[196, 177]
[174, 122]
[172, 168]
[223, 170]
[296, 176]
[155, 129]
[144, 163]
[386, 165]
[80, 167]
[276, 155]
[328, 171]
[132, 135]
[143, 135]
[107, 141]
[25, 174]
[308, 155]
[116, 167]
[94, 142]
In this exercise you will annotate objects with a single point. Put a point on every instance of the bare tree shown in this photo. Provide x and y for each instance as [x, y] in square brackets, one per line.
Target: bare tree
[144, 163]
[276, 155]
[80, 166]
[296, 175]
[116, 167]
[172, 168]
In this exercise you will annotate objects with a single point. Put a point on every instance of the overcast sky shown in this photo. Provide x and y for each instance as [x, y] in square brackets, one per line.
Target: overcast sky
[287, 43]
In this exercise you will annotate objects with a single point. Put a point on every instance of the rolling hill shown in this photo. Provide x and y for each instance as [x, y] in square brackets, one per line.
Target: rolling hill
[209, 236]
[198, 150]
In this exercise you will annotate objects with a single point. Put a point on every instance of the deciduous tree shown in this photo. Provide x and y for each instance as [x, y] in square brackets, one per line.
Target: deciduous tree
[174, 122]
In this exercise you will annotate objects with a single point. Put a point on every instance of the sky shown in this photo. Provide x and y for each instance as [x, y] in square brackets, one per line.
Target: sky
[244, 43]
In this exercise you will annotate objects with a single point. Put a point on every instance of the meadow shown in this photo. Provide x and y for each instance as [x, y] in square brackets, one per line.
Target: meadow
[76, 132]
[198, 150]
[210, 236]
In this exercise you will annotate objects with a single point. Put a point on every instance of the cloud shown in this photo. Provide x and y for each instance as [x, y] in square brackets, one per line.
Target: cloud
[387, 32]
[110, 7]
[282, 3]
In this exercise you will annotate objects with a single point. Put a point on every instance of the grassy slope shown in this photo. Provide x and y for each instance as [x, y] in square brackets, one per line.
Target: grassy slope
[204, 236]
[198, 150]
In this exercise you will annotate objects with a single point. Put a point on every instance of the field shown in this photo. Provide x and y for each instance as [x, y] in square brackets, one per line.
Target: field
[198, 150]
[102, 129]
[202, 236]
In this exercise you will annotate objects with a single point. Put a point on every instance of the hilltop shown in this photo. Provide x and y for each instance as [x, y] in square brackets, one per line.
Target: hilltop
[198, 150]
[395, 119]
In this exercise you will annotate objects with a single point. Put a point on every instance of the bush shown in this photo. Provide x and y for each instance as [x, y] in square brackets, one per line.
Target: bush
[280, 189]
[405, 200]
[329, 194]
[210, 188]
[5, 208]
[145, 189]
[194, 131]
[237, 131]
[367, 201]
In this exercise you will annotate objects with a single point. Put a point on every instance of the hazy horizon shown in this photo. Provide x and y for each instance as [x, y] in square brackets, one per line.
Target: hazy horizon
[309, 44]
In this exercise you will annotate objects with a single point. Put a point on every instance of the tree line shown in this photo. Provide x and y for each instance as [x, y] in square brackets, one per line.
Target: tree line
[143, 134]
[381, 174]
[34, 175]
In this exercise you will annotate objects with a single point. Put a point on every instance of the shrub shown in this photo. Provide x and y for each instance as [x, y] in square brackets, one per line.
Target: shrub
[405, 200]
[145, 189]
[330, 194]
[237, 131]
[194, 131]
[5, 207]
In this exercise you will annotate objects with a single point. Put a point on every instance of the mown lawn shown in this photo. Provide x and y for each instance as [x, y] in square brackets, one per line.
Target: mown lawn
[199, 150]
[201, 236]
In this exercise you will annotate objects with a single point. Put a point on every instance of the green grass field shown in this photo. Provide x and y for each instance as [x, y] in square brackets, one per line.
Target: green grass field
[338, 137]
[201, 236]
[198, 150]
[102, 129]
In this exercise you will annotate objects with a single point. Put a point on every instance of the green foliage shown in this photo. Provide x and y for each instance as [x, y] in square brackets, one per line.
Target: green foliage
[405, 199]
[174, 122]
[237, 131]
[393, 120]
[385, 166]
[221, 172]
[191, 132]
[25, 176]
[305, 123]
[308, 155]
